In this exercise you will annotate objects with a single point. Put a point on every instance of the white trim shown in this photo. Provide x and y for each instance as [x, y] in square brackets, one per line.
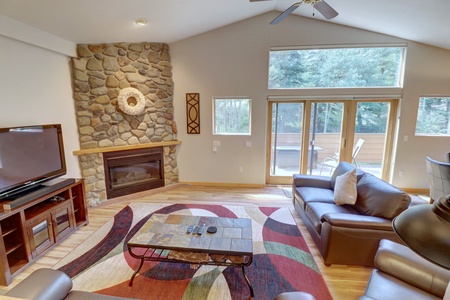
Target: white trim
[338, 46]
[36, 37]
[249, 133]
[333, 97]
[435, 96]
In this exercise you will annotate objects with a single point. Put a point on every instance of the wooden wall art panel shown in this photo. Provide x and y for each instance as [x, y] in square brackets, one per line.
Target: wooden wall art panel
[193, 113]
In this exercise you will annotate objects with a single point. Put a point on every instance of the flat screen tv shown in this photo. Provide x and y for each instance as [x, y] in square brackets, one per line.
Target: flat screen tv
[29, 156]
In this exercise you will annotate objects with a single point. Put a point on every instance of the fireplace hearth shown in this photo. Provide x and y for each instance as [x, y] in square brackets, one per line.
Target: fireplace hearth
[132, 171]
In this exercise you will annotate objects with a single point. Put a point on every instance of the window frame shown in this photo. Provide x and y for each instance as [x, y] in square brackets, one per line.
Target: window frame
[401, 70]
[214, 99]
[417, 116]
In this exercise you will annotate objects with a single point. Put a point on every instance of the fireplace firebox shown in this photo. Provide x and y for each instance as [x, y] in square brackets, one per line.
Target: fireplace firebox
[132, 171]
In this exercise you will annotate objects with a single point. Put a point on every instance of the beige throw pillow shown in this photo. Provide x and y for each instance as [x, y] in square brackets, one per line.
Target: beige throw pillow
[345, 188]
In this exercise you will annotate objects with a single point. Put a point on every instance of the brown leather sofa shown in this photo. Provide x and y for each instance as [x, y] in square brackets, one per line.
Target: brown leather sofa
[402, 274]
[46, 284]
[348, 234]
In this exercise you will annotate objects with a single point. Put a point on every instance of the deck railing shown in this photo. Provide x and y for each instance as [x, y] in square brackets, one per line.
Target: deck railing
[371, 151]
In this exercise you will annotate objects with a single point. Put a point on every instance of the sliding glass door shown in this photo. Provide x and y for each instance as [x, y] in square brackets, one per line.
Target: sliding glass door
[312, 137]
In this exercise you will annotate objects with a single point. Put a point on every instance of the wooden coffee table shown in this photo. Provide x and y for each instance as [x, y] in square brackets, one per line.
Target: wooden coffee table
[165, 238]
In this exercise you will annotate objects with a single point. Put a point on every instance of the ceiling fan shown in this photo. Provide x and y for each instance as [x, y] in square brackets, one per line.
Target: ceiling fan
[324, 8]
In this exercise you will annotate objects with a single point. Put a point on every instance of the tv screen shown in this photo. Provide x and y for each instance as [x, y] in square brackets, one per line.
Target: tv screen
[29, 155]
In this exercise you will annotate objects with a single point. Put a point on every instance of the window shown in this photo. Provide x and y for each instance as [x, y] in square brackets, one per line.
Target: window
[433, 116]
[231, 116]
[336, 68]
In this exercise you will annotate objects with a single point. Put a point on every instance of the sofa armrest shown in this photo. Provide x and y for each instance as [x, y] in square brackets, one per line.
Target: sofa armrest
[43, 284]
[357, 221]
[300, 180]
[401, 262]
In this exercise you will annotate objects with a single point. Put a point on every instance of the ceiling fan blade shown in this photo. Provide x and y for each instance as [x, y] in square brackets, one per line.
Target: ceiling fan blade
[326, 10]
[285, 13]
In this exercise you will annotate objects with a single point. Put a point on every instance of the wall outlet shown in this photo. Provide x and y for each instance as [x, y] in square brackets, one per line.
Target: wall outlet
[241, 169]
[405, 138]
[216, 143]
[400, 174]
[248, 144]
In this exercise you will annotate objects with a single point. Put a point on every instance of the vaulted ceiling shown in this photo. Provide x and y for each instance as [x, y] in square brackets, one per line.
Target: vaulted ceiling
[108, 21]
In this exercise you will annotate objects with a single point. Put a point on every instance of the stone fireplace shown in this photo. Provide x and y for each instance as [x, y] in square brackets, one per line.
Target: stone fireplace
[100, 73]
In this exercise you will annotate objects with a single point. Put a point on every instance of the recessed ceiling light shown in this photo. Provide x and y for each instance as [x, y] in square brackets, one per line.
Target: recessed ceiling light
[142, 21]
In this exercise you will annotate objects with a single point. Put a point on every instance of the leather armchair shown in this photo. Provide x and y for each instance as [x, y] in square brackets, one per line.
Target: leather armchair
[438, 178]
[400, 273]
[46, 284]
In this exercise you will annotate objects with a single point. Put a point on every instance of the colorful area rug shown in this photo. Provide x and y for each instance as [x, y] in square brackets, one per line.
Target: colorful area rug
[281, 263]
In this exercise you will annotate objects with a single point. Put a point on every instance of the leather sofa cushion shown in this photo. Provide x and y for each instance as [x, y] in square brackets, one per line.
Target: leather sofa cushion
[316, 210]
[378, 198]
[313, 194]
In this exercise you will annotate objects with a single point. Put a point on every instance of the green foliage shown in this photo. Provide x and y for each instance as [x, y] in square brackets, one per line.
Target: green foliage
[371, 117]
[341, 67]
[433, 116]
[328, 117]
[287, 117]
[232, 116]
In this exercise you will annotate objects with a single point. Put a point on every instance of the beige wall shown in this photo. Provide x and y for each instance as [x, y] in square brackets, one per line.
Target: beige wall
[35, 88]
[233, 60]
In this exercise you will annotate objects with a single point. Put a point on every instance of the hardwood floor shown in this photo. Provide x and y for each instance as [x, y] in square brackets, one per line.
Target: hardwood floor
[344, 282]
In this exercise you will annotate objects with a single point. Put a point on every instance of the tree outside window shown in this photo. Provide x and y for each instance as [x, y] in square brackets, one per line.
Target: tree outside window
[232, 116]
[433, 116]
[336, 68]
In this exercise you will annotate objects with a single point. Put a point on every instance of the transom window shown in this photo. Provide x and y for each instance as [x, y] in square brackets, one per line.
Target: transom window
[232, 116]
[433, 116]
[336, 67]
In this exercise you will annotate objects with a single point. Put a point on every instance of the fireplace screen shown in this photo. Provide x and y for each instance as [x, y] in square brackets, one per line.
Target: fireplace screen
[132, 171]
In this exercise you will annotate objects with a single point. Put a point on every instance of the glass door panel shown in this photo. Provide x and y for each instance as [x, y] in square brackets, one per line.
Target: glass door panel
[40, 235]
[324, 137]
[371, 126]
[286, 138]
[62, 222]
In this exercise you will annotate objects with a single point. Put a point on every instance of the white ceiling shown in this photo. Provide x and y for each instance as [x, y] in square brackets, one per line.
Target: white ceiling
[109, 21]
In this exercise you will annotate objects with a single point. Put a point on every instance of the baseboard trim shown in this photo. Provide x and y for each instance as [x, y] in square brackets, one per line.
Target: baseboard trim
[225, 184]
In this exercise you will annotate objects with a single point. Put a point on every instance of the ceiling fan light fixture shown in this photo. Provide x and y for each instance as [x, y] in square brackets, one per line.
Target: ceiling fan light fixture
[312, 2]
[141, 21]
[320, 5]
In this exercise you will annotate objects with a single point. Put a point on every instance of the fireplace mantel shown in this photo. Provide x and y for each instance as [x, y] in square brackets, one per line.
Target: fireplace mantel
[128, 147]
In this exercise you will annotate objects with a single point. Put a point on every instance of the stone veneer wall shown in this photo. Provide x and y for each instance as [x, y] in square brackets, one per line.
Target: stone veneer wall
[99, 73]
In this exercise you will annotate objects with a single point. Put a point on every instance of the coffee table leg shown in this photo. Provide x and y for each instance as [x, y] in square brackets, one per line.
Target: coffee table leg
[135, 272]
[252, 294]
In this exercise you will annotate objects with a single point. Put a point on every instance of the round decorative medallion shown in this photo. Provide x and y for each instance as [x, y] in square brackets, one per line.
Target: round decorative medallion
[131, 101]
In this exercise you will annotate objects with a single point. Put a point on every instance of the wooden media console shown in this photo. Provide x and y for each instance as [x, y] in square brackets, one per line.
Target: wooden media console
[31, 229]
